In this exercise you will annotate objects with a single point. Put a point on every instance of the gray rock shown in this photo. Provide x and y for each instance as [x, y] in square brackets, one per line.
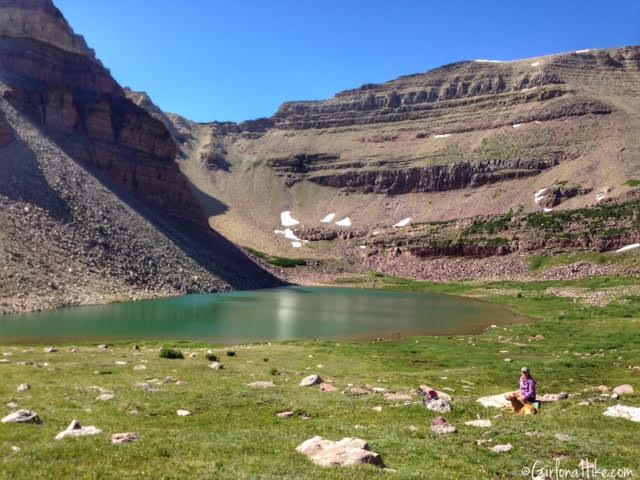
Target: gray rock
[623, 411]
[105, 397]
[23, 387]
[479, 423]
[310, 380]
[76, 430]
[216, 365]
[346, 452]
[122, 438]
[439, 405]
[22, 416]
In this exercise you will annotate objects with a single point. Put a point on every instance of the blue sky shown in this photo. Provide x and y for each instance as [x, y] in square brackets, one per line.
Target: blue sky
[240, 59]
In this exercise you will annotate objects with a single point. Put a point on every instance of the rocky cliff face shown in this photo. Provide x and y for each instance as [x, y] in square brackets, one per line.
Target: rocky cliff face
[52, 76]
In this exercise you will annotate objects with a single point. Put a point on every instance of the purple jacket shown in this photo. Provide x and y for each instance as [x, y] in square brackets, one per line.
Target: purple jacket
[528, 388]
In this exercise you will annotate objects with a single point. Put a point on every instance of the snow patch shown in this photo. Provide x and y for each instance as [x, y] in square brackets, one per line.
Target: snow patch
[628, 247]
[583, 51]
[345, 222]
[516, 125]
[296, 244]
[287, 220]
[328, 218]
[535, 64]
[442, 135]
[547, 210]
[362, 247]
[402, 223]
[483, 60]
[288, 233]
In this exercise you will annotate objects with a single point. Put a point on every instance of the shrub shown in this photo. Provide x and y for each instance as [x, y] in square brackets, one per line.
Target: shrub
[231, 353]
[172, 353]
[274, 371]
[633, 182]
[265, 359]
[212, 357]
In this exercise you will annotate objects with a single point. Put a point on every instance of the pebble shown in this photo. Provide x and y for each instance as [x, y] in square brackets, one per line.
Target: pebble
[122, 438]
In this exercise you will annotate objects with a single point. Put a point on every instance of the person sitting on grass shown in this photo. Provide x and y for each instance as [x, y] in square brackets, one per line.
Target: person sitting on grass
[523, 401]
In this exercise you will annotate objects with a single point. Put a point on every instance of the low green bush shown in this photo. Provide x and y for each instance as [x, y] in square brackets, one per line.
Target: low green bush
[171, 353]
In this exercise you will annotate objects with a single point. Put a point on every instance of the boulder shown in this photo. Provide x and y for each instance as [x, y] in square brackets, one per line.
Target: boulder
[23, 387]
[183, 413]
[285, 414]
[261, 385]
[425, 389]
[122, 438]
[439, 405]
[310, 380]
[625, 389]
[494, 401]
[344, 453]
[216, 365]
[76, 430]
[22, 416]
[104, 397]
[623, 411]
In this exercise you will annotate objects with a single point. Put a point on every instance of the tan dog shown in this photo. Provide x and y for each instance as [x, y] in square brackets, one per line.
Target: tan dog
[518, 406]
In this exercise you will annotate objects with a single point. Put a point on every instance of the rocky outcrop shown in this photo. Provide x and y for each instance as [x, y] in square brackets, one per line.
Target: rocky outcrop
[435, 178]
[556, 194]
[54, 78]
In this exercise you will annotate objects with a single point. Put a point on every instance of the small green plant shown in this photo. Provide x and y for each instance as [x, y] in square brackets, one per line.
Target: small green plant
[274, 371]
[535, 262]
[212, 357]
[231, 353]
[633, 182]
[265, 359]
[171, 353]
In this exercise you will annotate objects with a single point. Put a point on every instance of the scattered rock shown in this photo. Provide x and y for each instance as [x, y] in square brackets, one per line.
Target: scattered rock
[494, 401]
[625, 389]
[441, 426]
[412, 428]
[140, 367]
[603, 389]
[623, 411]
[15, 449]
[563, 437]
[105, 397]
[507, 360]
[50, 350]
[76, 430]
[479, 423]
[310, 380]
[122, 438]
[103, 346]
[22, 416]
[501, 448]
[12, 404]
[554, 397]
[359, 391]
[284, 414]
[377, 408]
[533, 434]
[120, 362]
[346, 452]
[397, 397]
[425, 389]
[147, 388]
[439, 405]
[183, 413]
[23, 387]
[261, 385]
[216, 365]
[328, 388]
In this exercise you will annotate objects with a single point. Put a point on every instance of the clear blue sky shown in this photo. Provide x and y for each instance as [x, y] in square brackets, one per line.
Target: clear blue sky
[240, 59]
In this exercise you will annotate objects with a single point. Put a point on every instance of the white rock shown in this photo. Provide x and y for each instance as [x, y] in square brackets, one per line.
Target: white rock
[50, 350]
[140, 367]
[494, 401]
[261, 384]
[328, 218]
[23, 387]
[122, 438]
[22, 416]
[501, 448]
[310, 380]
[216, 365]
[183, 413]
[105, 397]
[76, 430]
[346, 452]
[623, 411]
[442, 135]
[479, 423]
